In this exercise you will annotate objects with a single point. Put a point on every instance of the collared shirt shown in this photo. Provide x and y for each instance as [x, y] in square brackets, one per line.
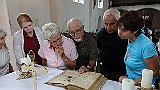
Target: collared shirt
[87, 50]
[53, 58]
[137, 51]
[31, 43]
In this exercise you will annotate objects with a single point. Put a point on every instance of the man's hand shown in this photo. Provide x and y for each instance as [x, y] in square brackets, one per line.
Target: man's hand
[82, 69]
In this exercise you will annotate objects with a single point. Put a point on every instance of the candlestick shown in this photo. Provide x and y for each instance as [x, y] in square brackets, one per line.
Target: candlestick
[32, 57]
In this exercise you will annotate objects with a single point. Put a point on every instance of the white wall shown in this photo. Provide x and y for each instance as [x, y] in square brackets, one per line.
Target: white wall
[95, 14]
[67, 9]
[63, 10]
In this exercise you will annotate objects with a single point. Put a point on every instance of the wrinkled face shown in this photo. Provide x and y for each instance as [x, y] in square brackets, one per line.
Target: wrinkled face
[76, 31]
[28, 27]
[125, 34]
[110, 23]
[56, 41]
[2, 41]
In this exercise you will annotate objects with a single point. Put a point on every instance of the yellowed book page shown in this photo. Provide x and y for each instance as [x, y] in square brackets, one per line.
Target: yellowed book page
[83, 81]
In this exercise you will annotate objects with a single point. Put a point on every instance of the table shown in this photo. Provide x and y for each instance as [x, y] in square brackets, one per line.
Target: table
[9, 82]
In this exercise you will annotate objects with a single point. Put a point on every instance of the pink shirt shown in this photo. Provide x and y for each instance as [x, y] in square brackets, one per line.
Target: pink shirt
[53, 59]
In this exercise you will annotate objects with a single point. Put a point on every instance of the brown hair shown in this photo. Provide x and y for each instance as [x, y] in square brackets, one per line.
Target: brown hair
[23, 17]
[132, 21]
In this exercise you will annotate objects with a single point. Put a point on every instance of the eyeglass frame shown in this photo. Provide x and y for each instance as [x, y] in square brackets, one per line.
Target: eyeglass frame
[55, 41]
[76, 31]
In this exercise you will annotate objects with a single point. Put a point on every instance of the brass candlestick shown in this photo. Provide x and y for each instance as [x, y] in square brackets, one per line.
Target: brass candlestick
[142, 88]
[146, 88]
[32, 57]
[30, 70]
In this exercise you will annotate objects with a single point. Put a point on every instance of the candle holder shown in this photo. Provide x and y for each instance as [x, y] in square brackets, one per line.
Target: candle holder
[142, 88]
[31, 55]
[28, 71]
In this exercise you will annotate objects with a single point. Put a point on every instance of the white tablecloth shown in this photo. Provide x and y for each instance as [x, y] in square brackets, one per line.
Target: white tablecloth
[9, 82]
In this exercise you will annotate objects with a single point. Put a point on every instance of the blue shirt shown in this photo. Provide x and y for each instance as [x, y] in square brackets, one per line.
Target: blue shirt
[137, 51]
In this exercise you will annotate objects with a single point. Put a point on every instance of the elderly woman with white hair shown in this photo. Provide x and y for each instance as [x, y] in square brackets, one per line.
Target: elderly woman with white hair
[57, 51]
[5, 65]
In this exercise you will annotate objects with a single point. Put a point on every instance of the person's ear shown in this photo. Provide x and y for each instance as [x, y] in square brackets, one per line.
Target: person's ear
[83, 27]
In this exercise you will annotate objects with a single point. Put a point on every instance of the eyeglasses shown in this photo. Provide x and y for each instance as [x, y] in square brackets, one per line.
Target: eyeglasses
[52, 41]
[77, 31]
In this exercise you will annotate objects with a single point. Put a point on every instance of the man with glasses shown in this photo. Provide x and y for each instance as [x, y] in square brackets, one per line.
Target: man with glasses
[86, 46]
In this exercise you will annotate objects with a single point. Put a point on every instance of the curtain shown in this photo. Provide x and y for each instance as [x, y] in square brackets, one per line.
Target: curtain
[4, 24]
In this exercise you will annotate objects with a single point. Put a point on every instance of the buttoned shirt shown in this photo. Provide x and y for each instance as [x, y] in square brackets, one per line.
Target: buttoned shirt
[87, 50]
[53, 58]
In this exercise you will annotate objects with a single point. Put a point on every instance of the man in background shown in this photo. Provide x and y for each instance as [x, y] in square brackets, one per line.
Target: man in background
[111, 47]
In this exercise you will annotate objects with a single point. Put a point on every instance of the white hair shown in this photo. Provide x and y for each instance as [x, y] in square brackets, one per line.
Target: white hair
[50, 29]
[74, 20]
[2, 33]
[113, 12]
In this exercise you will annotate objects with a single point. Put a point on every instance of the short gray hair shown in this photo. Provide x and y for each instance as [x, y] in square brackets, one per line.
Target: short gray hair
[74, 20]
[50, 29]
[2, 33]
[113, 12]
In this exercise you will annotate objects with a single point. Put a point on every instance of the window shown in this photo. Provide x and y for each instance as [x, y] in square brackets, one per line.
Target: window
[79, 1]
[100, 4]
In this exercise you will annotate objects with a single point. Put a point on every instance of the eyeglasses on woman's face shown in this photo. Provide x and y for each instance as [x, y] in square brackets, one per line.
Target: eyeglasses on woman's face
[56, 41]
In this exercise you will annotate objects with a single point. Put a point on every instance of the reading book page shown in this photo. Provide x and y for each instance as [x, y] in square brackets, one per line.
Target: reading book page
[73, 80]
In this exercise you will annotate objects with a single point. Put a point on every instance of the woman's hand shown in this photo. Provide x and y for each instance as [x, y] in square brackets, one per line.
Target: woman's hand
[137, 81]
[60, 51]
[121, 78]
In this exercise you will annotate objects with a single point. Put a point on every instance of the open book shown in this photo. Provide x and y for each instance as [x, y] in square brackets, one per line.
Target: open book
[72, 80]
